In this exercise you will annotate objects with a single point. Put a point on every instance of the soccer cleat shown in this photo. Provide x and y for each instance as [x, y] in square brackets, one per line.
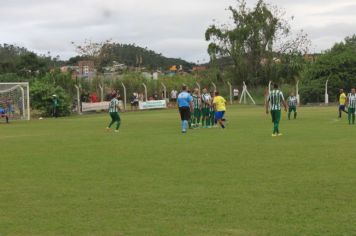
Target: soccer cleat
[116, 131]
[274, 135]
[184, 131]
[280, 134]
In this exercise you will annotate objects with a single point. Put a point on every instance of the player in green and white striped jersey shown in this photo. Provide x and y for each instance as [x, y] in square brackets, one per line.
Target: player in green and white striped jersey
[206, 104]
[197, 109]
[274, 101]
[292, 105]
[114, 113]
[351, 104]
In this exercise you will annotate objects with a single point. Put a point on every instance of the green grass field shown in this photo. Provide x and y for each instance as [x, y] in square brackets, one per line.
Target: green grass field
[70, 177]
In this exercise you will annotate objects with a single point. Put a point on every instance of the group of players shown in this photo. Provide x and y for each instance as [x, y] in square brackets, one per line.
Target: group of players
[348, 101]
[275, 100]
[196, 110]
[204, 109]
[208, 109]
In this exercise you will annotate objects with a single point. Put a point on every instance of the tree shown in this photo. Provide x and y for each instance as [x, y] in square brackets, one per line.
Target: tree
[41, 92]
[254, 41]
[338, 65]
[94, 51]
[19, 60]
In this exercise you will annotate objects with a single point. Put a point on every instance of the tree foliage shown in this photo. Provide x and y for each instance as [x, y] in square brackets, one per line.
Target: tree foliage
[257, 41]
[41, 92]
[24, 63]
[338, 65]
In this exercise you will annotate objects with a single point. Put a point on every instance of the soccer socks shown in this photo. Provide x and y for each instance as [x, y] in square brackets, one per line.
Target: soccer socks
[118, 123]
[111, 123]
[198, 120]
[295, 115]
[275, 128]
[184, 125]
[351, 118]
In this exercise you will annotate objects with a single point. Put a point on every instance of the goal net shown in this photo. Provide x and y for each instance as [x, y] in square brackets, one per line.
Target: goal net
[14, 100]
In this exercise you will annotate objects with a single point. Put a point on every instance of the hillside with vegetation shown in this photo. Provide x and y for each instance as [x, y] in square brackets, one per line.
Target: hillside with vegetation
[106, 53]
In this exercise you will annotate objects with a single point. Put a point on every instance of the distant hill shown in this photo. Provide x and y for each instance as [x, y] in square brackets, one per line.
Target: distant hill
[133, 55]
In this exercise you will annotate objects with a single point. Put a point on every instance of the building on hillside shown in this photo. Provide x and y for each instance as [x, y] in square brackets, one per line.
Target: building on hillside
[199, 68]
[69, 69]
[310, 57]
[115, 68]
[86, 69]
[151, 75]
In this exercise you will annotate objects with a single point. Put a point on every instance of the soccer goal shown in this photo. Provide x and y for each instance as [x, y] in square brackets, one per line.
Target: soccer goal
[15, 100]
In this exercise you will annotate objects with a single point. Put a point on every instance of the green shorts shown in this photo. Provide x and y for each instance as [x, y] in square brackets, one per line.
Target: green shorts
[292, 109]
[205, 112]
[276, 116]
[115, 116]
[197, 112]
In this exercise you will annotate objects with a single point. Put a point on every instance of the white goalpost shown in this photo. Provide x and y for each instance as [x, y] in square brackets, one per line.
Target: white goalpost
[244, 93]
[15, 100]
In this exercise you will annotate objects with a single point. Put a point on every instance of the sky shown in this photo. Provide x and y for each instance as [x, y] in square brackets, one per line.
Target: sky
[173, 28]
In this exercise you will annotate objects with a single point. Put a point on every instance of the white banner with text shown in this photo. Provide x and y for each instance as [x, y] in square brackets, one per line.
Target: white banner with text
[156, 104]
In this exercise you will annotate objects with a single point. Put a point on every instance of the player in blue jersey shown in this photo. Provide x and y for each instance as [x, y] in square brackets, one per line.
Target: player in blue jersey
[3, 114]
[185, 106]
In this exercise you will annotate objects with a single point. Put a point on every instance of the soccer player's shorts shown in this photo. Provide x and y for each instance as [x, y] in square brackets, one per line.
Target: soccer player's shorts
[342, 107]
[205, 112]
[197, 112]
[115, 116]
[184, 113]
[292, 109]
[276, 116]
[219, 115]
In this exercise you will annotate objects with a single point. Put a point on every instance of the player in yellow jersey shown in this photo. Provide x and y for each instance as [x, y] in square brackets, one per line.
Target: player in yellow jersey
[220, 108]
[342, 102]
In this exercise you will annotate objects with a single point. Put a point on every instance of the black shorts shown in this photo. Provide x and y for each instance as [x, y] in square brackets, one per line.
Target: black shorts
[184, 113]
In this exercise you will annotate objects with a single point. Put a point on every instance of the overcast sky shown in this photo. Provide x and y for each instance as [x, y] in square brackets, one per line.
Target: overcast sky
[174, 28]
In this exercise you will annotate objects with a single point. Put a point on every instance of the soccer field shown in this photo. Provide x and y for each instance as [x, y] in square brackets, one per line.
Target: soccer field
[71, 177]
